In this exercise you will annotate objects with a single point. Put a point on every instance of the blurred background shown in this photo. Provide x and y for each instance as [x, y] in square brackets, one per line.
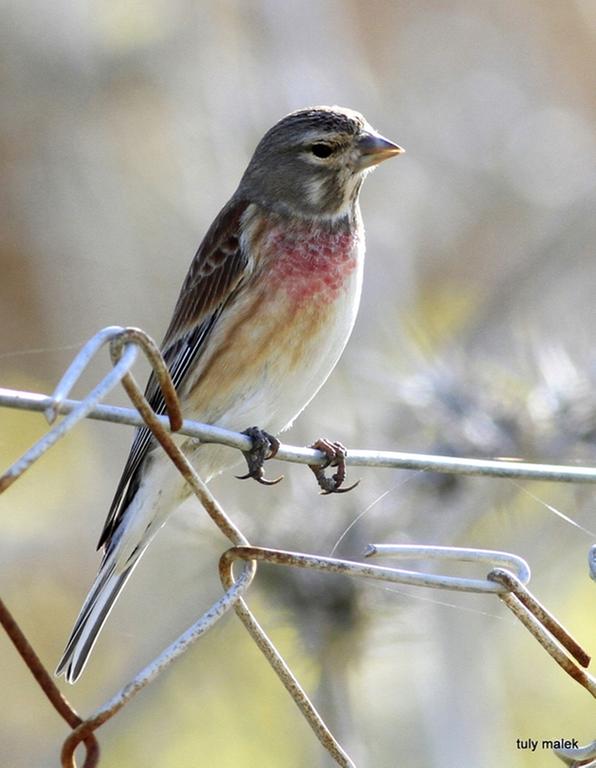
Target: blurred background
[125, 127]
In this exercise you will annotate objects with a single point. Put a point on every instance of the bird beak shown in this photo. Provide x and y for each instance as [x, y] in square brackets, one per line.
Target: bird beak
[374, 149]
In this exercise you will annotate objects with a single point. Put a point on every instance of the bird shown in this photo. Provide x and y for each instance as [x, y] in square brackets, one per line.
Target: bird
[263, 315]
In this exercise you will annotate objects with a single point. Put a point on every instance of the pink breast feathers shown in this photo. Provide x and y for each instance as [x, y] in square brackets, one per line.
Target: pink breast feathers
[312, 267]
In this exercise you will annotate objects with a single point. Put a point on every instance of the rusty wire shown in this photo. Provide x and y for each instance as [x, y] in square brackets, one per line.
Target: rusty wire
[390, 575]
[47, 684]
[551, 635]
[118, 337]
[510, 589]
[124, 344]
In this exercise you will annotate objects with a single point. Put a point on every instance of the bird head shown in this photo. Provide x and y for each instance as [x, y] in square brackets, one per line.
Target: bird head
[312, 162]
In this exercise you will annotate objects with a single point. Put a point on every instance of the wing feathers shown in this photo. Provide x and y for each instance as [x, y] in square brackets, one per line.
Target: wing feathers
[215, 273]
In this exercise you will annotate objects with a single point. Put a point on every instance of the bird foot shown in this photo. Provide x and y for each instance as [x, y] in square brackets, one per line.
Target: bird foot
[336, 457]
[264, 447]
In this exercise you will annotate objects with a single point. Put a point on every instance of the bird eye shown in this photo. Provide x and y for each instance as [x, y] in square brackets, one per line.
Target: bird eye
[321, 150]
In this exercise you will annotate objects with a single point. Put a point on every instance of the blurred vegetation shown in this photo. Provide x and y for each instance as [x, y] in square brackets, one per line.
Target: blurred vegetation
[125, 128]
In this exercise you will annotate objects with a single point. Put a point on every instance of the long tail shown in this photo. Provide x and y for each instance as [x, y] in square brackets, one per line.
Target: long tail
[155, 496]
[90, 620]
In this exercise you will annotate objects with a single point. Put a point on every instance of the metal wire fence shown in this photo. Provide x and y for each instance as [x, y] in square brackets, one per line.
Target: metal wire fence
[507, 575]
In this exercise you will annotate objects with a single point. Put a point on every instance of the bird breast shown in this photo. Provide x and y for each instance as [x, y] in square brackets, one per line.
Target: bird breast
[274, 348]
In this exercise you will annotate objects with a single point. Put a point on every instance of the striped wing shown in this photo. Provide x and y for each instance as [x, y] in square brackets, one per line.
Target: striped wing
[214, 275]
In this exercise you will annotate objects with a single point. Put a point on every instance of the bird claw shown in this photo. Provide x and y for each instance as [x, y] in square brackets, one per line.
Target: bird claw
[264, 447]
[336, 457]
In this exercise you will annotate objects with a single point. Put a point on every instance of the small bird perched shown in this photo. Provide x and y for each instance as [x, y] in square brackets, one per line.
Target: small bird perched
[263, 316]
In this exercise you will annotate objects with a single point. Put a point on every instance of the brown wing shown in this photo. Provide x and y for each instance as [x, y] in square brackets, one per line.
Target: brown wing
[215, 273]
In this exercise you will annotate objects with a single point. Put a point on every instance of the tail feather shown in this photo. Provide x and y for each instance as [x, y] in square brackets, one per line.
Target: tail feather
[157, 494]
[90, 620]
